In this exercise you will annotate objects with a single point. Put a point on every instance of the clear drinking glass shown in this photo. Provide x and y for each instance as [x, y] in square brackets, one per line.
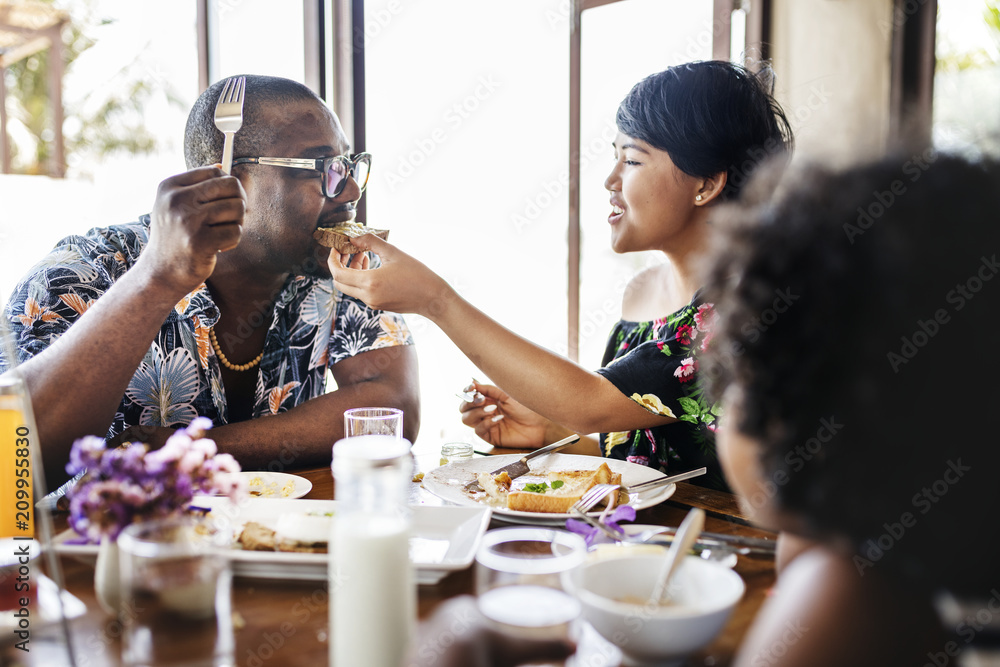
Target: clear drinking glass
[373, 421]
[177, 595]
[521, 581]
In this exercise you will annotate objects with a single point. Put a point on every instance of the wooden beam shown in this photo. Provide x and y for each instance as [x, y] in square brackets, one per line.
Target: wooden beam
[573, 225]
[722, 23]
[590, 4]
[23, 50]
[203, 53]
[911, 89]
[358, 89]
[4, 138]
[758, 44]
[343, 64]
[313, 16]
[57, 166]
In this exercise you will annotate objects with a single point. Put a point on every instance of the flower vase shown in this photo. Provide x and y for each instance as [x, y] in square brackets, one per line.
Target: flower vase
[107, 584]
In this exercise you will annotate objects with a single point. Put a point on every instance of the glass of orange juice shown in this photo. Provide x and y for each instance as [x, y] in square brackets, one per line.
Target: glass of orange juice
[17, 511]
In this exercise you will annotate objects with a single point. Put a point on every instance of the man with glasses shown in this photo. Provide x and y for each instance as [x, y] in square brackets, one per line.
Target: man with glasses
[219, 303]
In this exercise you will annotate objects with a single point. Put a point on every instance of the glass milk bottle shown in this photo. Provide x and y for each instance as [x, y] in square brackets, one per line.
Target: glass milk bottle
[373, 605]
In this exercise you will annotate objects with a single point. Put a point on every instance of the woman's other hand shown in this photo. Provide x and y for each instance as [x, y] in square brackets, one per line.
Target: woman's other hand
[501, 421]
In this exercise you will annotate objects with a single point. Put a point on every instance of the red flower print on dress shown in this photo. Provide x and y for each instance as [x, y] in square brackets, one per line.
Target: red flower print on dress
[685, 334]
[685, 372]
[706, 341]
[705, 317]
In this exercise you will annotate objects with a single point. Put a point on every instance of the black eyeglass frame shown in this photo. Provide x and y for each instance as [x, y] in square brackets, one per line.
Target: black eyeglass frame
[321, 165]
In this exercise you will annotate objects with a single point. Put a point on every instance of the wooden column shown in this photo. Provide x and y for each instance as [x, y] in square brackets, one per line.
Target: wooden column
[722, 22]
[204, 74]
[57, 166]
[759, 29]
[314, 43]
[4, 139]
[358, 92]
[911, 92]
[573, 225]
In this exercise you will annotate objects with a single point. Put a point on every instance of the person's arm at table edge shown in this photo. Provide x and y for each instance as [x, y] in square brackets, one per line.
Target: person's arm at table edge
[77, 383]
[304, 435]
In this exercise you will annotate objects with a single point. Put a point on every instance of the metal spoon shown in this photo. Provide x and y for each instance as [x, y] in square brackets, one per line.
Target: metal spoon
[687, 533]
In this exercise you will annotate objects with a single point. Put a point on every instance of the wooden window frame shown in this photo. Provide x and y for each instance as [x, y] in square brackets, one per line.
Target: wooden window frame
[911, 89]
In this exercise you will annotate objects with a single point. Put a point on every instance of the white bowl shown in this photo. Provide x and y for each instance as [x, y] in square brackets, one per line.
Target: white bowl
[704, 594]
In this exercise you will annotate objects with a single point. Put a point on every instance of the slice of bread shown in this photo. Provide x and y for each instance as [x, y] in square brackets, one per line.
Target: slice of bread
[339, 236]
[257, 537]
[558, 501]
[496, 486]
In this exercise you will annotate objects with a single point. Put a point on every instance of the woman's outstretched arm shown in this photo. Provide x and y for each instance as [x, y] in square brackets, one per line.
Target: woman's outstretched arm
[579, 399]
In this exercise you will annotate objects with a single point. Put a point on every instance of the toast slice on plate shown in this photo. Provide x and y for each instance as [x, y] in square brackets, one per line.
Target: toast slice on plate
[558, 501]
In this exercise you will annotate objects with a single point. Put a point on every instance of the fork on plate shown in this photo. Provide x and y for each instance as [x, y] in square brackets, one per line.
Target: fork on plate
[708, 541]
[229, 116]
[592, 496]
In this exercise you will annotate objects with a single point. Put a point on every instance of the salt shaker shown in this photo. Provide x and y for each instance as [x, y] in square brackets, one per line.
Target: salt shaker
[372, 586]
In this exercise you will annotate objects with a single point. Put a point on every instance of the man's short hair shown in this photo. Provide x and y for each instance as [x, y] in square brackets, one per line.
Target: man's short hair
[203, 141]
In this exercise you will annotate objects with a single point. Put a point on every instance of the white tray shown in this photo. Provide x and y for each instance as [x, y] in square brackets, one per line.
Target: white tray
[444, 539]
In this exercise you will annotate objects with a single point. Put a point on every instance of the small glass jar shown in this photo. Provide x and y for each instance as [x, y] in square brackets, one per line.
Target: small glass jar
[372, 584]
[455, 451]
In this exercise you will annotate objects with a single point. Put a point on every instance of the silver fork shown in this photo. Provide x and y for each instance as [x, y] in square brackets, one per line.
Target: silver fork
[229, 116]
[745, 546]
[592, 496]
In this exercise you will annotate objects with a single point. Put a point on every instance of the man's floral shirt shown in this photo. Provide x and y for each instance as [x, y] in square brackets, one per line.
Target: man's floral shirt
[311, 328]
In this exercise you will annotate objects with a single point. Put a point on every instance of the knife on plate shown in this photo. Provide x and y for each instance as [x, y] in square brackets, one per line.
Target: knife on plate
[520, 467]
[663, 481]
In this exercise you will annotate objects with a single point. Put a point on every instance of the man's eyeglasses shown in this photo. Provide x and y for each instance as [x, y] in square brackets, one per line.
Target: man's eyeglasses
[334, 169]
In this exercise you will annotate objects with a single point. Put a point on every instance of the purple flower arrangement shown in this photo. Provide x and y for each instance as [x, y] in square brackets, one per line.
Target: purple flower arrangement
[591, 534]
[129, 484]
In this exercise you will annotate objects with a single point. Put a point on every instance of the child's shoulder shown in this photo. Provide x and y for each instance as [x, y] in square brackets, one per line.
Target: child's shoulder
[826, 612]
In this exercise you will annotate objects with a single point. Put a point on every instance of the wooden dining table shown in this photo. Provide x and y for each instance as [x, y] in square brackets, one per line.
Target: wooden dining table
[284, 622]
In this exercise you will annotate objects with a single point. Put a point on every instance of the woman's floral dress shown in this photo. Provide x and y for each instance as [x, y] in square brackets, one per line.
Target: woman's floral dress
[656, 365]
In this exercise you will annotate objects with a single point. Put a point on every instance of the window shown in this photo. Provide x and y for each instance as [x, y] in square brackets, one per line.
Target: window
[468, 119]
[131, 44]
[967, 77]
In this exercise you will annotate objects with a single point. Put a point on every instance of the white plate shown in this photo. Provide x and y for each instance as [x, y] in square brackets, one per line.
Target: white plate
[447, 481]
[277, 485]
[444, 539]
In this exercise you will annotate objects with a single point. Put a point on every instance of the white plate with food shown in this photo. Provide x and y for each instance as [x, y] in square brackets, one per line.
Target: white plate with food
[448, 482]
[276, 485]
[444, 539]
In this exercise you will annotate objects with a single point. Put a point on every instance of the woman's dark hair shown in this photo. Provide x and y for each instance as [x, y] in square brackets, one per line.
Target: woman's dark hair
[203, 141]
[858, 314]
[710, 117]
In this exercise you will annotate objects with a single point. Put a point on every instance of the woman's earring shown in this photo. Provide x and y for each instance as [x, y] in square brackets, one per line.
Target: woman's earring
[698, 198]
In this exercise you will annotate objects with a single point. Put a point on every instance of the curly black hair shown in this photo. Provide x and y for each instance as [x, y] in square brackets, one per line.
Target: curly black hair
[203, 141]
[857, 327]
[710, 117]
